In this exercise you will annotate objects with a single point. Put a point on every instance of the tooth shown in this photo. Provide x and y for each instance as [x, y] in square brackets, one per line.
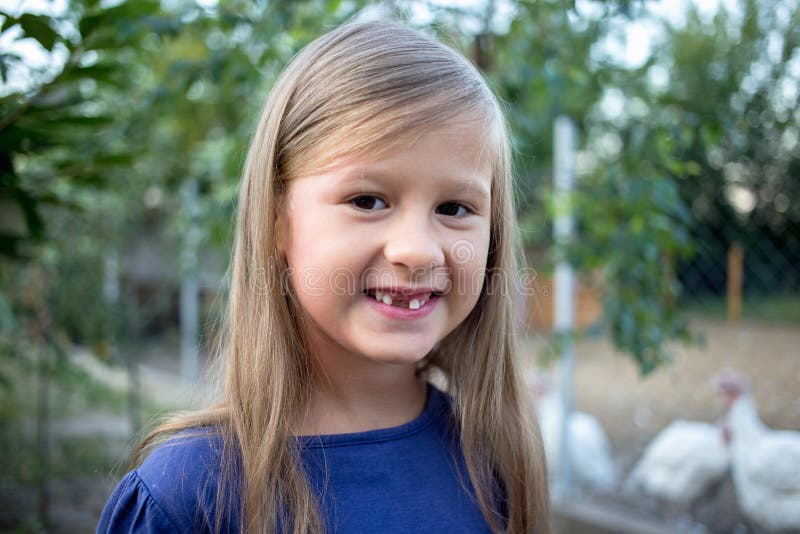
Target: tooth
[414, 304]
[379, 295]
[387, 300]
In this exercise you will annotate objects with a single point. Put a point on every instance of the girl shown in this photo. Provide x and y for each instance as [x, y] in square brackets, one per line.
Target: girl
[374, 251]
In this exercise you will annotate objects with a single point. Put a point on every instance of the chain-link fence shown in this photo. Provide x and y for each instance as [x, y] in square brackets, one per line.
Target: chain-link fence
[748, 269]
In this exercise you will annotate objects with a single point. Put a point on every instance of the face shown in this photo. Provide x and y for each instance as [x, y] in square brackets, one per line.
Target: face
[388, 254]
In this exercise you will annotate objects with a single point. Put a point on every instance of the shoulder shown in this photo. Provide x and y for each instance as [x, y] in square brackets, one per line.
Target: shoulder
[184, 460]
[174, 490]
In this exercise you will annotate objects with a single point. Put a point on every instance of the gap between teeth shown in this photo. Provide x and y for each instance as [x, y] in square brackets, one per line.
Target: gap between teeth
[413, 304]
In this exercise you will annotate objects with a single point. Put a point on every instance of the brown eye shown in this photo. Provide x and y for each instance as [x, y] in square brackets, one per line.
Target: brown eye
[453, 209]
[368, 202]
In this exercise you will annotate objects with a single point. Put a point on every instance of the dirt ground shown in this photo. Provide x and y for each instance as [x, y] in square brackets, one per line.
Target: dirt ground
[633, 409]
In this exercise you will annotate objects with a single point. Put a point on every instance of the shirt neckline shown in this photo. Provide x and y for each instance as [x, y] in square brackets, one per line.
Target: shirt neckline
[435, 401]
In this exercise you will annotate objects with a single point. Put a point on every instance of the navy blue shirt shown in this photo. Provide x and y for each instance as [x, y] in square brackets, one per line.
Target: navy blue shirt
[408, 478]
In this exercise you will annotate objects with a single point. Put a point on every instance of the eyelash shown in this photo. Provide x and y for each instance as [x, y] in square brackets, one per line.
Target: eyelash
[467, 209]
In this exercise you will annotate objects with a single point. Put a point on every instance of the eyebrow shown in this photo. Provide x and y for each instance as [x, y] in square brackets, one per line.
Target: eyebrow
[379, 177]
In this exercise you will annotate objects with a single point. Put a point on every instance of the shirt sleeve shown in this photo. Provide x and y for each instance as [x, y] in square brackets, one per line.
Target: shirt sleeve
[132, 508]
[173, 491]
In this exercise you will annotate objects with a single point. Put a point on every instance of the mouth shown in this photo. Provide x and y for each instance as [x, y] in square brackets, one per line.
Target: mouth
[412, 302]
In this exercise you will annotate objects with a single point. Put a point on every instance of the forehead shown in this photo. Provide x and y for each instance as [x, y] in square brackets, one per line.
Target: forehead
[458, 155]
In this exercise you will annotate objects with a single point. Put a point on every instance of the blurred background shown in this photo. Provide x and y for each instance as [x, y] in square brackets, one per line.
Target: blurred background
[123, 130]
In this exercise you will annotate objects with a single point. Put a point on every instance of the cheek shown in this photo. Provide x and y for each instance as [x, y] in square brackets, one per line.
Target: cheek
[303, 254]
[468, 260]
[306, 269]
[322, 270]
[308, 284]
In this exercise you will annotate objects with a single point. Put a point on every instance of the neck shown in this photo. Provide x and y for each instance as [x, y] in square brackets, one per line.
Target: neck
[743, 418]
[352, 394]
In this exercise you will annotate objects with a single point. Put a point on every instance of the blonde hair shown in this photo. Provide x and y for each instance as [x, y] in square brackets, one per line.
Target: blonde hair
[361, 89]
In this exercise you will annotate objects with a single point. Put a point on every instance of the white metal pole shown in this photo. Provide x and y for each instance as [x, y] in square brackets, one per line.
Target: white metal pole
[190, 298]
[564, 312]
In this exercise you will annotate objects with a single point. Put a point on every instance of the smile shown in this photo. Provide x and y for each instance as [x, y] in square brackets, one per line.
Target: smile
[400, 307]
[400, 301]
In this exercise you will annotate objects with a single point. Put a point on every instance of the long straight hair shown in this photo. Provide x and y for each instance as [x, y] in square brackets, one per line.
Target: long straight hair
[363, 88]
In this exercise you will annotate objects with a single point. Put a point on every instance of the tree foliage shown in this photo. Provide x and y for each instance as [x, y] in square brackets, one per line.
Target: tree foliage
[139, 99]
[52, 132]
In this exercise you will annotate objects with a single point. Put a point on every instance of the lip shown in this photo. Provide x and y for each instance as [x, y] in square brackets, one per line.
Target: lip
[396, 312]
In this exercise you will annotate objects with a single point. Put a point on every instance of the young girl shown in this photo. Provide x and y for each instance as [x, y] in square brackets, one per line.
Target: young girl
[374, 252]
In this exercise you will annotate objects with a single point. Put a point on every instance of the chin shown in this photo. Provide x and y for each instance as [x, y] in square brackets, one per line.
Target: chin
[407, 357]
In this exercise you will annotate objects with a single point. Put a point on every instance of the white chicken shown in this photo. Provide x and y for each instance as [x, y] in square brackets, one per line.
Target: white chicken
[681, 463]
[765, 462]
[589, 445]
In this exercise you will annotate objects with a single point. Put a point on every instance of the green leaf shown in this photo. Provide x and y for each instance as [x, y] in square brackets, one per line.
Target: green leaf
[81, 120]
[8, 22]
[38, 27]
[104, 17]
[108, 72]
[114, 159]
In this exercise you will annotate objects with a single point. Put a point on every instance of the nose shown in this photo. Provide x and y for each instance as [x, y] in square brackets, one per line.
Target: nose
[412, 242]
